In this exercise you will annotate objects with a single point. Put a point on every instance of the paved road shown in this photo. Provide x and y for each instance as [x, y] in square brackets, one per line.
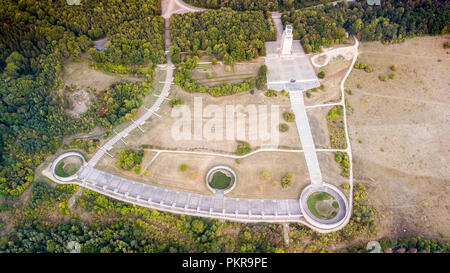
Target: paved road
[304, 131]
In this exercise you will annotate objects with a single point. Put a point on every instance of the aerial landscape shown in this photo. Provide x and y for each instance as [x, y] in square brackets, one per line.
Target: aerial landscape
[224, 126]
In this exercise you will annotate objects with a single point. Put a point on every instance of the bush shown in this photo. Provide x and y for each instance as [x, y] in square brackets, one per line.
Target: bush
[128, 159]
[321, 74]
[382, 78]
[394, 67]
[214, 61]
[359, 85]
[183, 167]
[286, 181]
[308, 94]
[271, 93]
[345, 186]
[348, 91]
[446, 45]
[175, 102]
[243, 148]
[283, 127]
[289, 116]
[265, 175]
[392, 76]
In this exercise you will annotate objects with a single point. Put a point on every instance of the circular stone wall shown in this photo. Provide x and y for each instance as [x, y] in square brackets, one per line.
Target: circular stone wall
[324, 206]
[63, 171]
[221, 178]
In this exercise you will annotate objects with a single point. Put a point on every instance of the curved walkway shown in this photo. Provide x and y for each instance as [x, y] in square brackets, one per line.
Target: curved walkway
[217, 206]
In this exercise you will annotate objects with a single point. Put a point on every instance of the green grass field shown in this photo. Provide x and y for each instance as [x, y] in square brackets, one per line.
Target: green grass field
[66, 170]
[319, 207]
[220, 181]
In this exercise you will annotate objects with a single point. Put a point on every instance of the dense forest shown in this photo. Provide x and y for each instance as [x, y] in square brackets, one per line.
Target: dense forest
[393, 21]
[231, 35]
[35, 38]
[256, 5]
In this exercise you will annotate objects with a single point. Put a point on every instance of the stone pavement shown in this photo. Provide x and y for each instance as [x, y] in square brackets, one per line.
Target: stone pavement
[217, 206]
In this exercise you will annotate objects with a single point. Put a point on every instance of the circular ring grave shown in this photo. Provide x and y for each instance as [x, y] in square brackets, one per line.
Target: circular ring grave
[221, 178]
[323, 205]
[66, 166]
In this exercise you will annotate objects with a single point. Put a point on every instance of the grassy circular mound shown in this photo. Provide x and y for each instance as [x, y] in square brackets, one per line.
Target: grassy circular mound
[221, 180]
[323, 205]
[68, 166]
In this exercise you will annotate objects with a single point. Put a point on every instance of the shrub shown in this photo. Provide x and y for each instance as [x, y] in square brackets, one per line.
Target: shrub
[238, 161]
[214, 61]
[265, 175]
[175, 102]
[321, 74]
[322, 88]
[382, 78]
[348, 91]
[274, 183]
[394, 67]
[446, 44]
[368, 69]
[228, 68]
[359, 85]
[392, 76]
[337, 112]
[129, 158]
[289, 116]
[271, 93]
[183, 167]
[345, 186]
[243, 148]
[283, 127]
[287, 180]
[210, 75]
[308, 94]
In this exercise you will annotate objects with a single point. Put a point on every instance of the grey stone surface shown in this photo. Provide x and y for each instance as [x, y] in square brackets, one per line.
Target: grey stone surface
[190, 203]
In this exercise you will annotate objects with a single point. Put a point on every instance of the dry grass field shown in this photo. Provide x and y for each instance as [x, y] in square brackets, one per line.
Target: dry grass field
[165, 172]
[334, 73]
[158, 130]
[400, 134]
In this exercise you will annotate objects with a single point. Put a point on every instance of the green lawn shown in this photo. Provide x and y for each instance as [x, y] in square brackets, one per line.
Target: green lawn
[320, 208]
[60, 170]
[66, 170]
[220, 181]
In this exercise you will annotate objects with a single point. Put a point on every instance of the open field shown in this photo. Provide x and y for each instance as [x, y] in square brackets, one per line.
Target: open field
[400, 134]
[165, 172]
[319, 127]
[210, 75]
[334, 73]
[158, 130]
[83, 76]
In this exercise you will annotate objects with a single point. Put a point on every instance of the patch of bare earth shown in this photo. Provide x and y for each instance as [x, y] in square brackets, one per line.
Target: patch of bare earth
[400, 132]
